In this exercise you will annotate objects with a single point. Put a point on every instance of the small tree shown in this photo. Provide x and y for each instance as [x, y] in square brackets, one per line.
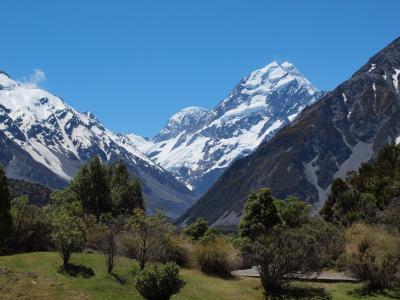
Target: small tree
[111, 228]
[146, 237]
[197, 229]
[5, 206]
[69, 232]
[285, 254]
[259, 215]
[159, 282]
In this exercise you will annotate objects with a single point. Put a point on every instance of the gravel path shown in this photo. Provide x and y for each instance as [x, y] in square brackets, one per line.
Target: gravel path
[324, 276]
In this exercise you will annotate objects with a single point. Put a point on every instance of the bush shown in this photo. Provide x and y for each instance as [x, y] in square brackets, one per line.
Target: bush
[330, 240]
[216, 257]
[285, 254]
[377, 274]
[32, 227]
[159, 281]
[372, 256]
[178, 250]
[197, 229]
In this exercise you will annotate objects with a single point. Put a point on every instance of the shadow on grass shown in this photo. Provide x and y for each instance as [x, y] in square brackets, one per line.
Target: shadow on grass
[76, 271]
[364, 292]
[301, 294]
[120, 279]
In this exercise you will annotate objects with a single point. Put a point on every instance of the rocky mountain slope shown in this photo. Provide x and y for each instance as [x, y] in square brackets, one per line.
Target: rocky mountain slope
[44, 140]
[333, 136]
[198, 145]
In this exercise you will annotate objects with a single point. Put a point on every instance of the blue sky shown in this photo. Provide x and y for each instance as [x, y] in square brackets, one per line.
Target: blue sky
[135, 63]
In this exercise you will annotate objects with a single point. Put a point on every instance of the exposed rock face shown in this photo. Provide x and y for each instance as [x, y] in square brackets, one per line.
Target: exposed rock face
[333, 136]
[44, 140]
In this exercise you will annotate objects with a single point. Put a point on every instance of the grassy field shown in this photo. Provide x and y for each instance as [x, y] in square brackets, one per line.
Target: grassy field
[35, 276]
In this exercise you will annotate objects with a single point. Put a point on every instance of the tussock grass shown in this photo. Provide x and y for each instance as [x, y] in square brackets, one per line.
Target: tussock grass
[381, 241]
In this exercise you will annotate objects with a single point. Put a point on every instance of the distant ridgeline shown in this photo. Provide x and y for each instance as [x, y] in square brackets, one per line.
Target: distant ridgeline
[37, 194]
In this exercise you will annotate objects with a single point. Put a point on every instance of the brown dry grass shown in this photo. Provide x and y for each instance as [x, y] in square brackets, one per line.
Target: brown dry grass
[381, 241]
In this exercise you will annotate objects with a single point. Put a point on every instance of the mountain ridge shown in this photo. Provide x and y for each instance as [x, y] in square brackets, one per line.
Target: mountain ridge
[197, 145]
[332, 136]
[44, 140]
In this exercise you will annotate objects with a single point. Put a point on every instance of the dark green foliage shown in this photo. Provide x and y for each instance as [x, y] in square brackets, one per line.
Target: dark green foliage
[376, 273]
[159, 281]
[36, 193]
[293, 212]
[197, 229]
[364, 193]
[259, 215]
[390, 215]
[103, 189]
[330, 240]
[92, 188]
[285, 254]
[32, 227]
[126, 194]
[5, 206]
[338, 186]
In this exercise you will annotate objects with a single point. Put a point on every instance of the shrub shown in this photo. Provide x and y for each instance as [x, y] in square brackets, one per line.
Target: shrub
[197, 229]
[285, 254]
[330, 240]
[32, 227]
[373, 256]
[216, 257]
[178, 250]
[159, 281]
[377, 274]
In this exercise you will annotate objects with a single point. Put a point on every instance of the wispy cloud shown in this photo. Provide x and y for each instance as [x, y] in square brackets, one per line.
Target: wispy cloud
[35, 79]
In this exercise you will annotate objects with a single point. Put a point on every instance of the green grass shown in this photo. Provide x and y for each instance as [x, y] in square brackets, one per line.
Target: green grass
[47, 283]
[121, 286]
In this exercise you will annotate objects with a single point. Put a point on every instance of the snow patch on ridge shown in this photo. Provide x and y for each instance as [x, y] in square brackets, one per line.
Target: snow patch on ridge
[395, 77]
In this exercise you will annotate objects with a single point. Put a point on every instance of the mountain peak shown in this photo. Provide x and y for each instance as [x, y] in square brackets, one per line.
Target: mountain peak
[274, 76]
[186, 120]
[188, 111]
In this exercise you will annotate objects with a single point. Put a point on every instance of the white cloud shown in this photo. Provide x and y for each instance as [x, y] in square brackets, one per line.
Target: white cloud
[35, 79]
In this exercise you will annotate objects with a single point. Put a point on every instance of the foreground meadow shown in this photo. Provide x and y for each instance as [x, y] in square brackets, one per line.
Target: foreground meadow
[36, 276]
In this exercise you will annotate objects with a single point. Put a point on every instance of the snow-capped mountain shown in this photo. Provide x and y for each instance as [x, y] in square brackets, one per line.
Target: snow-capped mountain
[39, 131]
[197, 145]
[346, 127]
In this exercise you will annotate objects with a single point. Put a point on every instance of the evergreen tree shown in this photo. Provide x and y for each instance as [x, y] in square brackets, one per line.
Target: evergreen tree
[92, 189]
[126, 194]
[137, 191]
[5, 206]
[260, 214]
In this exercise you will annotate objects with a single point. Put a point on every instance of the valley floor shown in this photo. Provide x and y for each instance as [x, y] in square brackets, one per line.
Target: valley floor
[35, 276]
